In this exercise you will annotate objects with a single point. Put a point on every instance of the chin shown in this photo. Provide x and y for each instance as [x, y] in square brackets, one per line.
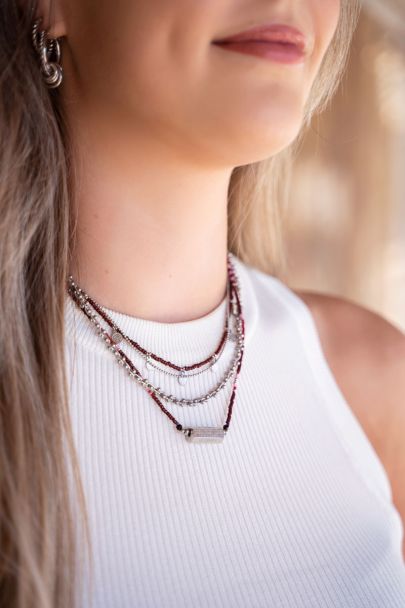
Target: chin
[260, 145]
[264, 130]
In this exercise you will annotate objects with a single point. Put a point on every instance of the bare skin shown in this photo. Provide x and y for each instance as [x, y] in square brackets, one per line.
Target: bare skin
[159, 117]
[366, 354]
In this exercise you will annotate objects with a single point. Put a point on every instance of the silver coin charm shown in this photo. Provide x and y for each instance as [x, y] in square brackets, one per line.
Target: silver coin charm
[148, 363]
[182, 377]
[214, 364]
[116, 337]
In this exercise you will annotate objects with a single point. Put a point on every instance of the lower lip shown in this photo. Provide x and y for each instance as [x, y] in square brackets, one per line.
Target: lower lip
[274, 51]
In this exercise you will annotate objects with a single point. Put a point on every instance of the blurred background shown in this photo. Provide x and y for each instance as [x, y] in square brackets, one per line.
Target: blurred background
[345, 227]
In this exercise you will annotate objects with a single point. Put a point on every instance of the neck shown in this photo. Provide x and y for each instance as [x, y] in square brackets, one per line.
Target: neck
[151, 231]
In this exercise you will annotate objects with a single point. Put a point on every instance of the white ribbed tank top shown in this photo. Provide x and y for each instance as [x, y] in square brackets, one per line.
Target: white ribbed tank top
[294, 509]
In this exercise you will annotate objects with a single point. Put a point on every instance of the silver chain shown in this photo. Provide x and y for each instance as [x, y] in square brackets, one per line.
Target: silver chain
[157, 390]
[81, 297]
[182, 376]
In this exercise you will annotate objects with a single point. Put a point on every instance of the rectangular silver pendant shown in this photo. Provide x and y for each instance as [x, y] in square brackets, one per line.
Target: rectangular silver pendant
[205, 434]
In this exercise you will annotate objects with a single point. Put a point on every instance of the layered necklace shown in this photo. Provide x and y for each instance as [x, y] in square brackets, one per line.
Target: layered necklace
[233, 331]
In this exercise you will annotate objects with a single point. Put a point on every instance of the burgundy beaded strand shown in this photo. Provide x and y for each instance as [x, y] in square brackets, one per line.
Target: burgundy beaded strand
[156, 357]
[204, 434]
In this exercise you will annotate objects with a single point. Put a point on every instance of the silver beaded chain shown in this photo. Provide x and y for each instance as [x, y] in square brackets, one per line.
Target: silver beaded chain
[182, 376]
[80, 297]
[103, 334]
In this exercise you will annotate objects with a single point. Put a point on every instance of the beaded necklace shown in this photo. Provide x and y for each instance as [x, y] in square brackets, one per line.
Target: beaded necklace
[95, 312]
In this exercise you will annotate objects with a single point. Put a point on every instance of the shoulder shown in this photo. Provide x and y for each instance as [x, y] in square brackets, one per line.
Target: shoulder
[366, 354]
[353, 335]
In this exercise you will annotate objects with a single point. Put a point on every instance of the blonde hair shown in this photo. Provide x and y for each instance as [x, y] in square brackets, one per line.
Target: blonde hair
[39, 514]
[258, 192]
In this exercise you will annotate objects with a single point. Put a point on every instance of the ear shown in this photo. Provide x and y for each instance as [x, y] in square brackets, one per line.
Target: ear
[52, 15]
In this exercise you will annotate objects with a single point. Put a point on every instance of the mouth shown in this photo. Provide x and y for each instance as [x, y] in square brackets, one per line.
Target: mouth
[276, 42]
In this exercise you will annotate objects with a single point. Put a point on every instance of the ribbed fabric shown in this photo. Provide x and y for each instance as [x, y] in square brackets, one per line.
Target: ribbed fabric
[294, 509]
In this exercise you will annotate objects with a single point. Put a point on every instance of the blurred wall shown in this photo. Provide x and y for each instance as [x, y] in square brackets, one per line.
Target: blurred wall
[345, 225]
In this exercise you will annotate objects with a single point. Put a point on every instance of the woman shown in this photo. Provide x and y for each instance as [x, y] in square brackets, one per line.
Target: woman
[224, 440]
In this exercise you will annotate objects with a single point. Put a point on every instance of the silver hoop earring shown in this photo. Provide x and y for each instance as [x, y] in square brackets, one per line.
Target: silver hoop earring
[48, 50]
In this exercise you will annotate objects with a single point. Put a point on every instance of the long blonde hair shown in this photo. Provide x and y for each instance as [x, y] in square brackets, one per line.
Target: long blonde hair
[39, 515]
